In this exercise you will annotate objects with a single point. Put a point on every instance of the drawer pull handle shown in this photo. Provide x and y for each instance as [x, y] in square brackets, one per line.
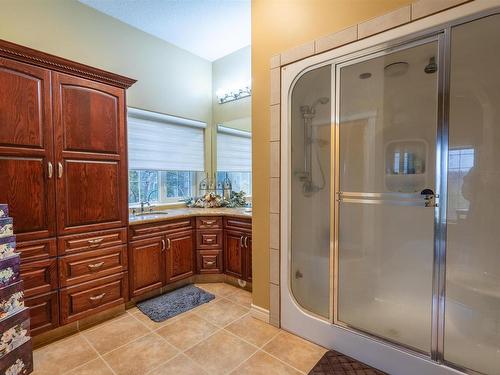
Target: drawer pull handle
[209, 240]
[97, 298]
[210, 263]
[95, 242]
[209, 222]
[95, 266]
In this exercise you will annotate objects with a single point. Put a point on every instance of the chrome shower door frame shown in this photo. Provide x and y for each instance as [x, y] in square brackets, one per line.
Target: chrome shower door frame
[439, 36]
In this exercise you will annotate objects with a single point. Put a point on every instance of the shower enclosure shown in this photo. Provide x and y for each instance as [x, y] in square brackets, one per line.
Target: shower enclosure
[390, 200]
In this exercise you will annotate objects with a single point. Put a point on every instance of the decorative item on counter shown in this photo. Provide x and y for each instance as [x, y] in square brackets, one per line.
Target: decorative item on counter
[213, 200]
[9, 270]
[4, 210]
[227, 188]
[6, 227]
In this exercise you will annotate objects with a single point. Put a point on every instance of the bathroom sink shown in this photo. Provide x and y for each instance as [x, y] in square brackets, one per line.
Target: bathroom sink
[151, 213]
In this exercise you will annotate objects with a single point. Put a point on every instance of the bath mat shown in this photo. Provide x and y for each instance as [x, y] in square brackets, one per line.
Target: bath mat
[335, 363]
[174, 303]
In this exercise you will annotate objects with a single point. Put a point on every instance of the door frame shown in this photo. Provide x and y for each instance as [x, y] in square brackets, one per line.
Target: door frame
[440, 38]
[396, 358]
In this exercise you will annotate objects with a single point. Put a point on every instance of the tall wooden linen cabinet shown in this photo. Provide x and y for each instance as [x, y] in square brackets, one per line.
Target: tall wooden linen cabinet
[63, 173]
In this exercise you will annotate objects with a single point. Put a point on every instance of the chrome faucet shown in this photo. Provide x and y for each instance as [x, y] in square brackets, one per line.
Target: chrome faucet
[142, 206]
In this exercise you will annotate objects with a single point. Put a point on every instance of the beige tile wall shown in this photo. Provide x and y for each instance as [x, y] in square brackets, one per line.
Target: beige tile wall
[398, 17]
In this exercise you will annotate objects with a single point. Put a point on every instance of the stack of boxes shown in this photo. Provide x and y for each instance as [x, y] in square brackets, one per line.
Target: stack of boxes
[16, 356]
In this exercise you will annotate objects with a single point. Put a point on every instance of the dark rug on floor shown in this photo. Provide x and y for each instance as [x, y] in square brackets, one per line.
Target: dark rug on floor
[335, 363]
[174, 303]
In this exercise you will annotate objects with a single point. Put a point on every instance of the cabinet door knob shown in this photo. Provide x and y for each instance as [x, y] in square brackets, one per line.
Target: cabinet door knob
[246, 242]
[241, 242]
[59, 170]
[162, 245]
[50, 169]
[169, 243]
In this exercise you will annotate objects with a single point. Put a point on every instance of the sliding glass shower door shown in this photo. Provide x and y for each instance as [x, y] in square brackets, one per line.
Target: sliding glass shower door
[472, 305]
[387, 115]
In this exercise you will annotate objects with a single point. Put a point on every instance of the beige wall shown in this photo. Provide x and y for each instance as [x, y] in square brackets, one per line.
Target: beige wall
[278, 25]
[170, 80]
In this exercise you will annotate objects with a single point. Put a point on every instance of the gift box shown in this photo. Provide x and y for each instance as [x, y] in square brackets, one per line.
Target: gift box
[11, 299]
[9, 270]
[14, 331]
[7, 247]
[6, 227]
[19, 361]
[4, 210]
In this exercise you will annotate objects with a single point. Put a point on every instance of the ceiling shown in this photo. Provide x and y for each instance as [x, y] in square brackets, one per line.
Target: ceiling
[208, 28]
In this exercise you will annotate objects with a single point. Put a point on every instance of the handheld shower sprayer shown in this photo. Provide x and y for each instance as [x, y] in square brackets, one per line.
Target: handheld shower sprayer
[306, 177]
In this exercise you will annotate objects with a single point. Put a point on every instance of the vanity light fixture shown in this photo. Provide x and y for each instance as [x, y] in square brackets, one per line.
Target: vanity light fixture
[226, 96]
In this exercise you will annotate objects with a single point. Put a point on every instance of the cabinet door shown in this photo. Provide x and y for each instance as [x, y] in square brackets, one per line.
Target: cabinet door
[90, 148]
[26, 149]
[44, 312]
[233, 252]
[146, 264]
[180, 256]
[248, 258]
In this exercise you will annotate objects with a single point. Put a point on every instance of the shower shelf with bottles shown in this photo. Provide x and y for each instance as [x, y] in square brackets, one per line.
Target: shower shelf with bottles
[406, 165]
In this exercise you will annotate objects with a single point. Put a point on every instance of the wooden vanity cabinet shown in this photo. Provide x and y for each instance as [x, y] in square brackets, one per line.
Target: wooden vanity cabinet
[63, 171]
[238, 247]
[160, 253]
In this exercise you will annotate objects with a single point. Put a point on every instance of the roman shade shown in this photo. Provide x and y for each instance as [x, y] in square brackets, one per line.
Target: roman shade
[234, 150]
[163, 142]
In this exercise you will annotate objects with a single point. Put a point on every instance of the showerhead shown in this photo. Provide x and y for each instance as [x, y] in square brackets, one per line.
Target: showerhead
[323, 100]
[431, 67]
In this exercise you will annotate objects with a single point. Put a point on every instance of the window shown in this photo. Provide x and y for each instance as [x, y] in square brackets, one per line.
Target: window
[234, 158]
[460, 162]
[165, 155]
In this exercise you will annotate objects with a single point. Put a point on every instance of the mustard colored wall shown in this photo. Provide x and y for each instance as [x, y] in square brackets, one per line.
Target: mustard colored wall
[278, 25]
[170, 80]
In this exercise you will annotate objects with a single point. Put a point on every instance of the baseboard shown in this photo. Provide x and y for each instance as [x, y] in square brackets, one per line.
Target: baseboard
[259, 313]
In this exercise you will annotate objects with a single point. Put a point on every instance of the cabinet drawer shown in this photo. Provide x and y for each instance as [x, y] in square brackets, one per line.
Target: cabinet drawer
[92, 241]
[39, 277]
[209, 222]
[37, 250]
[209, 239]
[209, 261]
[91, 297]
[237, 223]
[91, 265]
[44, 312]
[138, 232]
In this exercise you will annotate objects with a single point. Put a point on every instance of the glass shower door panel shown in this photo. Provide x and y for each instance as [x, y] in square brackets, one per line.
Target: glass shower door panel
[310, 260]
[387, 139]
[472, 307]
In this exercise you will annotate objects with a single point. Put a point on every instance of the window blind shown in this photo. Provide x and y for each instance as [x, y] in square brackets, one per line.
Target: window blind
[234, 150]
[163, 142]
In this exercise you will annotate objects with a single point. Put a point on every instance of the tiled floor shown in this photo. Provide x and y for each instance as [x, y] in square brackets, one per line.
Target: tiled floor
[216, 338]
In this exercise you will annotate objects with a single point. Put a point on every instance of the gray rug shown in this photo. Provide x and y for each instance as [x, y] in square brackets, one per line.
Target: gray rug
[174, 303]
